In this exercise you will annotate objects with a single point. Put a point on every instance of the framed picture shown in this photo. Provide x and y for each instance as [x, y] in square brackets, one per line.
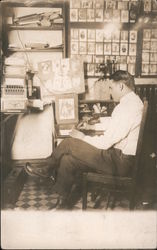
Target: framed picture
[132, 49]
[91, 35]
[90, 69]
[82, 15]
[131, 59]
[146, 45]
[146, 34]
[73, 15]
[123, 59]
[154, 5]
[153, 69]
[45, 70]
[99, 48]
[154, 34]
[116, 15]
[124, 36]
[83, 48]
[115, 48]
[153, 46]
[107, 48]
[87, 4]
[99, 35]
[133, 36]
[66, 108]
[131, 69]
[89, 59]
[147, 5]
[116, 36]
[99, 59]
[91, 48]
[145, 69]
[74, 4]
[122, 5]
[123, 66]
[99, 15]
[110, 4]
[153, 57]
[90, 15]
[123, 49]
[75, 34]
[145, 57]
[124, 16]
[74, 48]
[99, 4]
[83, 35]
[108, 15]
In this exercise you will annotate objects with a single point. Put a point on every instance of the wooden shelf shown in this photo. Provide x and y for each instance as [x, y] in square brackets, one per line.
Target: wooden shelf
[56, 26]
[37, 50]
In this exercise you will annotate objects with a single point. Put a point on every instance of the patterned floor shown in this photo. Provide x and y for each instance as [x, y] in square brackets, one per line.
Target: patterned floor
[37, 196]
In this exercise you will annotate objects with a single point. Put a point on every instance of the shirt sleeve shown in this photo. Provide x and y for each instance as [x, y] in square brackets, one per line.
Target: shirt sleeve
[104, 123]
[120, 125]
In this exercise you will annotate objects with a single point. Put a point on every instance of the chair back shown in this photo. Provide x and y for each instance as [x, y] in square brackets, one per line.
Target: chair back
[140, 139]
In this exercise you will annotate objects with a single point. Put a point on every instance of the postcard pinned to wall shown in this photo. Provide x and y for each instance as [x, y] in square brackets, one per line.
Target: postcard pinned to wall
[63, 76]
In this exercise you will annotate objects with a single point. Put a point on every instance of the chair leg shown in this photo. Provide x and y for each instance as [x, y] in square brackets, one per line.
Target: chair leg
[132, 201]
[84, 193]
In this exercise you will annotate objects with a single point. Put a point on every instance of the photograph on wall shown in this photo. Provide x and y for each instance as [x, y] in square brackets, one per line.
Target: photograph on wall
[99, 59]
[74, 15]
[88, 4]
[153, 58]
[90, 15]
[124, 16]
[145, 57]
[99, 4]
[75, 34]
[99, 35]
[131, 69]
[146, 45]
[66, 108]
[82, 15]
[45, 70]
[74, 48]
[146, 34]
[153, 69]
[132, 49]
[123, 67]
[123, 49]
[153, 45]
[145, 69]
[83, 35]
[107, 48]
[116, 16]
[154, 34]
[133, 36]
[154, 5]
[91, 48]
[116, 36]
[122, 5]
[110, 4]
[91, 35]
[147, 5]
[74, 4]
[115, 48]
[90, 69]
[108, 15]
[131, 59]
[99, 15]
[124, 36]
[99, 48]
[83, 48]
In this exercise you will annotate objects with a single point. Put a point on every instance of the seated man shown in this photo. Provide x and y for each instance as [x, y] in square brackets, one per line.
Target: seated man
[111, 153]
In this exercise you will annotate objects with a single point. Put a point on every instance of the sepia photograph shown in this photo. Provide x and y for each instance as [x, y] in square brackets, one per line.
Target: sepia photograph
[78, 124]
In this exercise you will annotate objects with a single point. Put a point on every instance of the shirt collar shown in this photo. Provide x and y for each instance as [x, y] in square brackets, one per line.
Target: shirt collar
[126, 97]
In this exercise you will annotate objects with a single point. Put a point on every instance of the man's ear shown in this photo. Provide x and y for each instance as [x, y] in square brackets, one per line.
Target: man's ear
[121, 86]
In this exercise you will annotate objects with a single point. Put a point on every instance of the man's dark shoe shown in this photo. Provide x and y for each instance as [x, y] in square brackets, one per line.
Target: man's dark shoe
[34, 172]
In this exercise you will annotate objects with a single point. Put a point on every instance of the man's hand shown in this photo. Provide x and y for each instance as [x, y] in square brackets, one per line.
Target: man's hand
[76, 134]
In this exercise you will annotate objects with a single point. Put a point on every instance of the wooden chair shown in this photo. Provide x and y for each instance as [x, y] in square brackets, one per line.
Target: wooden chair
[116, 184]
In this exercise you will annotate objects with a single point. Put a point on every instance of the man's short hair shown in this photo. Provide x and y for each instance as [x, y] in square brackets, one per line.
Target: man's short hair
[126, 77]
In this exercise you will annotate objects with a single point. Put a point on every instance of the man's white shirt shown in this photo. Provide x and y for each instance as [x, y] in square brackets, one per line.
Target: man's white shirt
[122, 128]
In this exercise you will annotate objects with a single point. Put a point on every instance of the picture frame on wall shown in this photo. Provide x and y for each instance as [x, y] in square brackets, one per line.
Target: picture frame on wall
[73, 15]
[83, 35]
[146, 34]
[133, 36]
[147, 6]
[66, 108]
[123, 49]
[74, 47]
[132, 49]
[91, 35]
[82, 15]
[99, 15]
[90, 15]
[145, 69]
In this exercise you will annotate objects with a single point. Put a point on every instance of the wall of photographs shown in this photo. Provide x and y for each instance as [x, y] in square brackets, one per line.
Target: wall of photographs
[118, 45]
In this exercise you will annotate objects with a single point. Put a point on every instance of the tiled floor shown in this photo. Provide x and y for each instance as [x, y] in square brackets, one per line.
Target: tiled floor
[37, 195]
